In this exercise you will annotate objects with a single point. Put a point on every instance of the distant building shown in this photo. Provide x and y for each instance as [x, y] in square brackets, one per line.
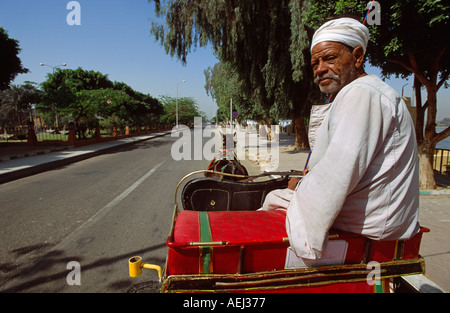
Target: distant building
[412, 110]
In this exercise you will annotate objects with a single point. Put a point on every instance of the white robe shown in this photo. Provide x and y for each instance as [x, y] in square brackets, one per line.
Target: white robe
[363, 172]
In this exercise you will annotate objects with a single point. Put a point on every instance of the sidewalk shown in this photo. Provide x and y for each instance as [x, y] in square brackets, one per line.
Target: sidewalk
[23, 161]
[12, 152]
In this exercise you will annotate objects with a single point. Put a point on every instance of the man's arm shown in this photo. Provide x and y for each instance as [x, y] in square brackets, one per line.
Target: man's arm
[355, 131]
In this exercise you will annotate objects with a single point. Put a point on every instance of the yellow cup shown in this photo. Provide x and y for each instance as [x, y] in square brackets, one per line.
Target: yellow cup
[135, 266]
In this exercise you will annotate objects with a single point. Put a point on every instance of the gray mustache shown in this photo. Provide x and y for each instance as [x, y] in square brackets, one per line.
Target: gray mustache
[325, 76]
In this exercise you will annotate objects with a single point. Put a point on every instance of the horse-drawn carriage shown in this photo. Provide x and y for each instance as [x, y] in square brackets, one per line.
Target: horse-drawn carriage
[220, 242]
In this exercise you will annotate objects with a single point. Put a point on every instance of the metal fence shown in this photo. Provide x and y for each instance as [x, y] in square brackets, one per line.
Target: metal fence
[60, 135]
[17, 134]
[441, 162]
[43, 134]
[51, 134]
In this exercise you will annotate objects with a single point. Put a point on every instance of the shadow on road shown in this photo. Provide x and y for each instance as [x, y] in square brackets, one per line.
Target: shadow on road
[43, 271]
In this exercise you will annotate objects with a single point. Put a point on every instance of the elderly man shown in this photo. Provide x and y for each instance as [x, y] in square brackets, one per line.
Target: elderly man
[363, 170]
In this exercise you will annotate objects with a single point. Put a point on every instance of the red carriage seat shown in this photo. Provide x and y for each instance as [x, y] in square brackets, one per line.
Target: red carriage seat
[229, 242]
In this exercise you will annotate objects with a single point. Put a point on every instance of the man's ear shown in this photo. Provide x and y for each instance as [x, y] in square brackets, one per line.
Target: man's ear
[358, 55]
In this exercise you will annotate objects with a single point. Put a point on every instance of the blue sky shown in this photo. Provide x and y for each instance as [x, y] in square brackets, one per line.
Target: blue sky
[114, 38]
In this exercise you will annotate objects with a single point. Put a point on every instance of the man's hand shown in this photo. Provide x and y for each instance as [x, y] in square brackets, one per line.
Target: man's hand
[293, 183]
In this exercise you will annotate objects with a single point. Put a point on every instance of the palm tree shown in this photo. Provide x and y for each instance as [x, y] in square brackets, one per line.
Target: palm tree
[16, 104]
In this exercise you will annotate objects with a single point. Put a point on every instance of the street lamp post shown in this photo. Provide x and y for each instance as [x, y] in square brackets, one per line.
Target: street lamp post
[177, 103]
[53, 71]
[53, 67]
[231, 115]
[403, 87]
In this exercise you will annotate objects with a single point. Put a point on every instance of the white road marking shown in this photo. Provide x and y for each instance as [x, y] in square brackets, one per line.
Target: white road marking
[103, 211]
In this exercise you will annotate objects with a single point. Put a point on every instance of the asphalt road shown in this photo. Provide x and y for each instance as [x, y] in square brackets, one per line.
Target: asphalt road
[98, 212]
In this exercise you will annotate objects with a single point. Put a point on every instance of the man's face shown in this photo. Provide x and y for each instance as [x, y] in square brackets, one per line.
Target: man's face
[334, 66]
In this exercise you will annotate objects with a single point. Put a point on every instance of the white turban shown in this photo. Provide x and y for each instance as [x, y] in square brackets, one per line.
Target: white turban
[345, 30]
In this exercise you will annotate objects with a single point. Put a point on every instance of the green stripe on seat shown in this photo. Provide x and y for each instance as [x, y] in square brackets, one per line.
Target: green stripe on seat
[205, 236]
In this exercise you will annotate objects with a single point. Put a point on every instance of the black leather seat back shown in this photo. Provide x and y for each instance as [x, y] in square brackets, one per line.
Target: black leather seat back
[209, 194]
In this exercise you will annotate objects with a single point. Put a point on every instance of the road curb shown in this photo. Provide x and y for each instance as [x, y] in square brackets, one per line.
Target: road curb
[34, 153]
[15, 174]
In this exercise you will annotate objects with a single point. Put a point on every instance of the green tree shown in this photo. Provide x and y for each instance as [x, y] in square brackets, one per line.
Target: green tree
[71, 92]
[187, 110]
[223, 85]
[90, 96]
[142, 108]
[101, 102]
[16, 104]
[412, 39]
[10, 63]
[255, 38]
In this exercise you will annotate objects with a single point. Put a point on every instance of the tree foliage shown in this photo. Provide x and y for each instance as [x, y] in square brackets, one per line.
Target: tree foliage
[66, 91]
[187, 110]
[18, 99]
[10, 64]
[264, 41]
[225, 87]
[91, 95]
